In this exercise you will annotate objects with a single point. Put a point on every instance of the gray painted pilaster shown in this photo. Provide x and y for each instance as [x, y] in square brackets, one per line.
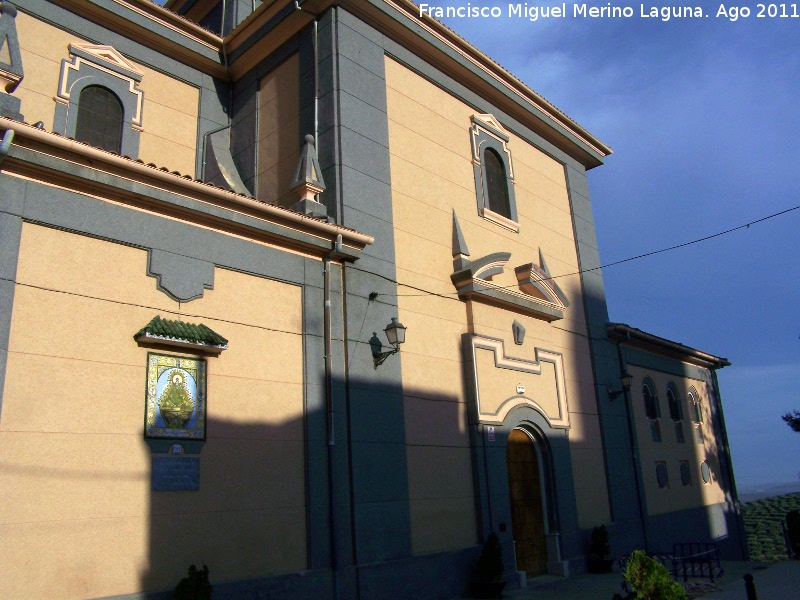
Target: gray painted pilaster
[354, 148]
[621, 478]
[10, 234]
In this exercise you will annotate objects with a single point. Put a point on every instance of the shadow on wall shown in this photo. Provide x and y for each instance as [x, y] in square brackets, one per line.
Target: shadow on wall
[248, 517]
[260, 520]
[705, 510]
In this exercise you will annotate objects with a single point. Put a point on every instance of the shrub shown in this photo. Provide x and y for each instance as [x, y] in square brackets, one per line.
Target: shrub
[598, 547]
[193, 587]
[490, 564]
[650, 580]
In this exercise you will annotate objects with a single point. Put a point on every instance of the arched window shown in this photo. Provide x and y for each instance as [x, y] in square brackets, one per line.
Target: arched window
[100, 117]
[496, 184]
[494, 172]
[697, 409]
[697, 415]
[650, 400]
[651, 408]
[675, 411]
[673, 400]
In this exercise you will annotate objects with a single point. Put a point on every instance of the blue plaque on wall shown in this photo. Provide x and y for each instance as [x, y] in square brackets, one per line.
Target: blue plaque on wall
[176, 474]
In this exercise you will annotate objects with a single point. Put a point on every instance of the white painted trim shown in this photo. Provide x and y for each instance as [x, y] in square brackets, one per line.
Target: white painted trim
[502, 361]
[64, 93]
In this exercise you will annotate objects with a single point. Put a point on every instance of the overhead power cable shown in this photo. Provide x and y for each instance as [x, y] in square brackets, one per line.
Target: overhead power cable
[453, 295]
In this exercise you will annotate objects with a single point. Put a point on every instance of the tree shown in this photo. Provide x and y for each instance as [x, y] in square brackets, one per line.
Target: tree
[793, 420]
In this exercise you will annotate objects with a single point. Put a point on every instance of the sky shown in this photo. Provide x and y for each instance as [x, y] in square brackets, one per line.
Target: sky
[703, 116]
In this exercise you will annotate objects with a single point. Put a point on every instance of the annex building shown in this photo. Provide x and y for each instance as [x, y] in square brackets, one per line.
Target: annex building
[213, 214]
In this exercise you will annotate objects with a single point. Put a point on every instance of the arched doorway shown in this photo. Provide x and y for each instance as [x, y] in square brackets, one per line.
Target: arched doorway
[527, 506]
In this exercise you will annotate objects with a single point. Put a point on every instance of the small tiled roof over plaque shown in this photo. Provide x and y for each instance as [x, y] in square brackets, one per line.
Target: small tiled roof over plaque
[181, 335]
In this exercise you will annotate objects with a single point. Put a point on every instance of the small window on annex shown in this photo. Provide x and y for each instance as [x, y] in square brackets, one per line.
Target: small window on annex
[662, 475]
[686, 473]
[675, 411]
[696, 409]
[651, 408]
[494, 173]
[100, 118]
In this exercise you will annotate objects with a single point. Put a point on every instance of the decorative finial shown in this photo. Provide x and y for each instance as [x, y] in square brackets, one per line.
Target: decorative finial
[308, 181]
[460, 250]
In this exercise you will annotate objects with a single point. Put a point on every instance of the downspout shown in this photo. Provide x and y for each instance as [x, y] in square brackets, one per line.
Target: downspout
[230, 97]
[337, 249]
[316, 85]
[316, 70]
[5, 145]
[635, 453]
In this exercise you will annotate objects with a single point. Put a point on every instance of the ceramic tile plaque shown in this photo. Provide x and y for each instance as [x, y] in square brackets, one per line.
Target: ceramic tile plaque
[176, 397]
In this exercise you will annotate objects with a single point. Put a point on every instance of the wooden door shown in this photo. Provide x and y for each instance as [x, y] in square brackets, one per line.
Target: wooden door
[527, 515]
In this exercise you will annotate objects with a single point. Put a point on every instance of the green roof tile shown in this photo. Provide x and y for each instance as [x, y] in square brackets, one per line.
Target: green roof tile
[180, 331]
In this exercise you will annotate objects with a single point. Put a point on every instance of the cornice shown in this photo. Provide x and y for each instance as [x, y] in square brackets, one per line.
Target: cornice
[276, 21]
[636, 338]
[436, 44]
[85, 169]
[156, 27]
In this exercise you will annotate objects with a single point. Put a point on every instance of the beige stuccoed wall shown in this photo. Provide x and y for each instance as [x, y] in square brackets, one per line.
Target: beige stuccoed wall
[169, 114]
[676, 496]
[278, 132]
[432, 174]
[77, 516]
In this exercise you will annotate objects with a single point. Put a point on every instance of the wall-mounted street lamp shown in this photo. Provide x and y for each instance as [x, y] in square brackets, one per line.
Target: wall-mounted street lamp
[627, 381]
[396, 334]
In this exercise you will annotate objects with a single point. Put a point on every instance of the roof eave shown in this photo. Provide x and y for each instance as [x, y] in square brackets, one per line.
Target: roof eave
[625, 334]
[435, 43]
[45, 143]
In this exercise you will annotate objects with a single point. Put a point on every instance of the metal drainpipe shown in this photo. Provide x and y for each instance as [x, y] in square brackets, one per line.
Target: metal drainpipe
[636, 461]
[204, 149]
[316, 70]
[5, 145]
[337, 249]
[316, 86]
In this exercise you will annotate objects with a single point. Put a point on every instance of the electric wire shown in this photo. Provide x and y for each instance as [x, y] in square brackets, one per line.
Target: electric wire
[454, 295]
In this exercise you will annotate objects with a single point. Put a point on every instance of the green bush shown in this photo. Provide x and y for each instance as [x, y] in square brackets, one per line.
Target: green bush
[490, 564]
[650, 580]
[599, 548]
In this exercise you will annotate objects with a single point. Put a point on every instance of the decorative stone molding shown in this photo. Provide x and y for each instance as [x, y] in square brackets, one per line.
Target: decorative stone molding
[10, 58]
[538, 283]
[538, 294]
[93, 64]
[492, 406]
[10, 62]
[180, 277]
[487, 133]
[308, 182]
[519, 332]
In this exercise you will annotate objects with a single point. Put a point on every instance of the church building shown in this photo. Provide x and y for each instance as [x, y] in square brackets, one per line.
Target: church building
[309, 293]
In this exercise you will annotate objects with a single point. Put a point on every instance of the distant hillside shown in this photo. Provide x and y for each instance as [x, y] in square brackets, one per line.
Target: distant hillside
[751, 493]
[762, 521]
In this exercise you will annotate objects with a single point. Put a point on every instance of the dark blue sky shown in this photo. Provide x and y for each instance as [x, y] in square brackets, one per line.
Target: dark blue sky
[703, 118]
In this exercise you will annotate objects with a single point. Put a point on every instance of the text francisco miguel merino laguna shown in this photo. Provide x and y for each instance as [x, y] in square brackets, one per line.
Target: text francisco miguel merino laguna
[535, 12]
